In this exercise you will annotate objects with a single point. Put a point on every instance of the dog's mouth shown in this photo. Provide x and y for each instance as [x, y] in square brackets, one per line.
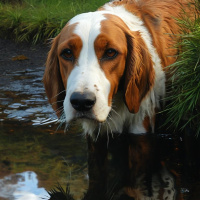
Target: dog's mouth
[90, 115]
[85, 115]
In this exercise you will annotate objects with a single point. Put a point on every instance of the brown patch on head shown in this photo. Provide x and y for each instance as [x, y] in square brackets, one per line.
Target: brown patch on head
[74, 43]
[57, 69]
[112, 36]
[159, 18]
[133, 61]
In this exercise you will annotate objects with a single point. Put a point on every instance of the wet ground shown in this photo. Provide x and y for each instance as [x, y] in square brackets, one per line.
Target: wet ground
[35, 155]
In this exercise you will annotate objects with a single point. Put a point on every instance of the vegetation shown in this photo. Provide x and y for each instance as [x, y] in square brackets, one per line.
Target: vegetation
[53, 157]
[60, 194]
[184, 107]
[34, 20]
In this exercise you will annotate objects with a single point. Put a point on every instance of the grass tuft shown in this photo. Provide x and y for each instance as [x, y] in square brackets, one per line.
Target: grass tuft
[59, 193]
[35, 21]
[184, 107]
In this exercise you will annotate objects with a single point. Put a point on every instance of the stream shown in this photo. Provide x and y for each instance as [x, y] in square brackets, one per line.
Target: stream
[36, 154]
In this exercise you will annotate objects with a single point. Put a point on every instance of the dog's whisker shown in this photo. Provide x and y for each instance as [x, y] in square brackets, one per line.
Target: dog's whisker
[98, 131]
[110, 129]
[61, 120]
[107, 139]
[107, 134]
[59, 126]
[58, 94]
[66, 128]
[57, 102]
[60, 110]
[111, 119]
[114, 111]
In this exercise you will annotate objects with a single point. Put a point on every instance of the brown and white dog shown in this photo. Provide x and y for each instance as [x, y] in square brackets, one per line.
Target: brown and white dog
[107, 68]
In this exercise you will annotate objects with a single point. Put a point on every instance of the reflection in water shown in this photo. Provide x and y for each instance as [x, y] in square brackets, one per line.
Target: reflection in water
[25, 145]
[136, 170]
[142, 167]
[146, 167]
[21, 186]
[55, 158]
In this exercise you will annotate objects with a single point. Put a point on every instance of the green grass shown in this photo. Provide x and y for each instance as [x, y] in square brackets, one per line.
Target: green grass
[34, 20]
[184, 107]
[59, 193]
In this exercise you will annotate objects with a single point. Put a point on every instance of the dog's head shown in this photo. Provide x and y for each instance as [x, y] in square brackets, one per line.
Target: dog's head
[89, 59]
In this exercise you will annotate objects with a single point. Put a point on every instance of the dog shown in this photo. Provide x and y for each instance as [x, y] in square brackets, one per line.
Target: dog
[107, 68]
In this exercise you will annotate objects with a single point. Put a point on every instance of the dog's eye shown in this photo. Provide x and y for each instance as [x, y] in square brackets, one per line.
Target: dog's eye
[67, 54]
[110, 53]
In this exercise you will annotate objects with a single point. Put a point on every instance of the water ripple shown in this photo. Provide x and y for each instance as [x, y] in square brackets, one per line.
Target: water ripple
[23, 98]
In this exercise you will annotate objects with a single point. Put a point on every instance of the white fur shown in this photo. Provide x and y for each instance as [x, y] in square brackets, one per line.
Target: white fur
[88, 73]
[148, 105]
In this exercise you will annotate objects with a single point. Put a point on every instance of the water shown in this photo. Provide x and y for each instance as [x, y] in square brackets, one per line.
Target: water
[23, 97]
[35, 156]
[22, 186]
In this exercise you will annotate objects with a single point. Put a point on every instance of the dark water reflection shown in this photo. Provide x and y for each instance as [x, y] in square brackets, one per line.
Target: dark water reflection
[35, 157]
[49, 158]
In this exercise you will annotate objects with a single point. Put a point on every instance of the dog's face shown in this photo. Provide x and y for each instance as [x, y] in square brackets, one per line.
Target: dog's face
[86, 62]
[92, 61]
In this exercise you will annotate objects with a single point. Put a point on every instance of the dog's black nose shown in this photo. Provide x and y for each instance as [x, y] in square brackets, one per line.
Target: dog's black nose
[82, 101]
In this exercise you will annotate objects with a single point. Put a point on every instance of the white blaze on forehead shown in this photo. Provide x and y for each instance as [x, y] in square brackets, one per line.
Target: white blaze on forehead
[87, 74]
[88, 27]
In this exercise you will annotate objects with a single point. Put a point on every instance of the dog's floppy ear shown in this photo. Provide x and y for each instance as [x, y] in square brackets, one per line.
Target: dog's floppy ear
[52, 79]
[139, 72]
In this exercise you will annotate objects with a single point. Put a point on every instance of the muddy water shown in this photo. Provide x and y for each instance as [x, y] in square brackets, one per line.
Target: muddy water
[35, 155]
[22, 97]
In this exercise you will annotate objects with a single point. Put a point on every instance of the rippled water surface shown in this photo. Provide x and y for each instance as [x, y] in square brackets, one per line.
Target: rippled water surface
[22, 96]
[35, 155]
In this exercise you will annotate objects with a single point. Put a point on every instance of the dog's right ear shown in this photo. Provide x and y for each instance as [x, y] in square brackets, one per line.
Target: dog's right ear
[139, 74]
[52, 78]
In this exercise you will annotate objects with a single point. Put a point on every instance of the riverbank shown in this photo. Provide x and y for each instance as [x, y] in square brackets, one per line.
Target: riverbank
[32, 56]
[35, 21]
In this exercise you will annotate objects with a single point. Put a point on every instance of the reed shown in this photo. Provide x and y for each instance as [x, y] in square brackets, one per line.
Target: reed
[184, 84]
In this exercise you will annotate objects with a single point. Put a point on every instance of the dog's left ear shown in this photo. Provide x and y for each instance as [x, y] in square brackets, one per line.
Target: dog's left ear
[139, 72]
[52, 79]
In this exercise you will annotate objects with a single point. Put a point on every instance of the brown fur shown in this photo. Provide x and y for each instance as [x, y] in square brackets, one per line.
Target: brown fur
[134, 62]
[139, 72]
[57, 70]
